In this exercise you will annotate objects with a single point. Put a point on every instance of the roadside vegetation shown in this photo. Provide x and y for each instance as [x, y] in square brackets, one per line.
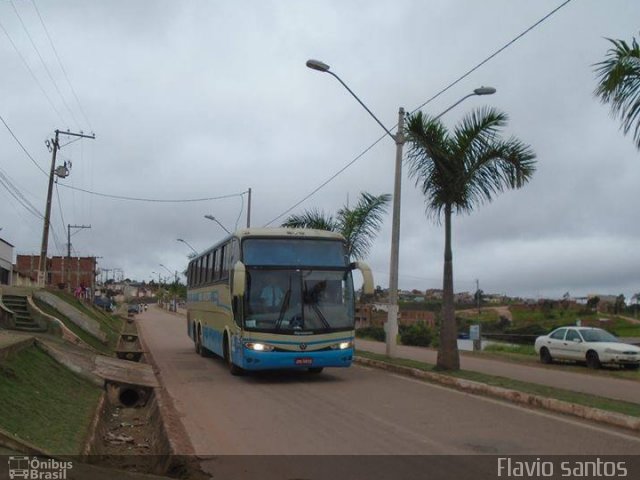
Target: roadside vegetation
[53, 415]
[626, 408]
[110, 324]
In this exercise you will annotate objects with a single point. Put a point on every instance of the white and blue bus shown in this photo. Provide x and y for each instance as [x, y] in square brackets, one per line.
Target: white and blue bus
[275, 299]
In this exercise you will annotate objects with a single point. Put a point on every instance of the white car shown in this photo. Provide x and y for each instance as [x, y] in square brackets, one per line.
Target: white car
[594, 346]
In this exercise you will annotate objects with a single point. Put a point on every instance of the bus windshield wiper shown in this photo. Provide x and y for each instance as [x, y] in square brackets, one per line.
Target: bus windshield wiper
[284, 307]
[322, 318]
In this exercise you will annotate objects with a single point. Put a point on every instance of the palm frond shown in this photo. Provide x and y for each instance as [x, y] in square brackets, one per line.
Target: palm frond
[360, 224]
[619, 84]
[311, 219]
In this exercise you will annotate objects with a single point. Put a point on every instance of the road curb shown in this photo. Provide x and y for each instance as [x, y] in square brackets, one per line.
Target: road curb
[588, 413]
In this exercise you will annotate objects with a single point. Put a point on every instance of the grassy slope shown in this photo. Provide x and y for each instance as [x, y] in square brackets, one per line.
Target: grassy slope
[53, 415]
[626, 408]
[111, 325]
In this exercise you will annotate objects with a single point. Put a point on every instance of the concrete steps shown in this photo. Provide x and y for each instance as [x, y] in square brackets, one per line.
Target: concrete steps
[23, 321]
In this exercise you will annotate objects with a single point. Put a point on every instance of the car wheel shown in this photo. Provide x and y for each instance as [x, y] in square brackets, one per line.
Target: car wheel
[545, 356]
[593, 361]
[316, 369]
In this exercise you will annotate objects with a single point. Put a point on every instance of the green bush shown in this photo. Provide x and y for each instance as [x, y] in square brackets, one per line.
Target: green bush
[419, 334]
[374, 333]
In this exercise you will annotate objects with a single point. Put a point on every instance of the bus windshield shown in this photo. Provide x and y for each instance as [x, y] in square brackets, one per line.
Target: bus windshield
[298, 252]
[299, 301]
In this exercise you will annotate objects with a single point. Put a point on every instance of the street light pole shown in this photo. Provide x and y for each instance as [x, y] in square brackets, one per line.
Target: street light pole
[399, 139]
[392, 314]
[188, 245]
[211, 217]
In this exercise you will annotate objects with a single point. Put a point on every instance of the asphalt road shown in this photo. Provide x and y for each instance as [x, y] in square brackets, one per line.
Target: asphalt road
[350, 411]
[552, 375]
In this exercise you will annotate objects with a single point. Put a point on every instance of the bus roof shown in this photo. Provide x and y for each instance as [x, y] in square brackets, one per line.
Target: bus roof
[286, 232]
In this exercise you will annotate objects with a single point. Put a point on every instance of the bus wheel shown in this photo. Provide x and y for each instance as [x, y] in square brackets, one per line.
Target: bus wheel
[233, 368]
[201, 349]
[315, 369]
[198, 339]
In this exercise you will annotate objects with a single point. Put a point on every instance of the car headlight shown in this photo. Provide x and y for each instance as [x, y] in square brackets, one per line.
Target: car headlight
[258, 347]
[342, 345]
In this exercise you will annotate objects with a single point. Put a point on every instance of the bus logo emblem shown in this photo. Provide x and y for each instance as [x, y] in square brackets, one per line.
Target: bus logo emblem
[303, 346]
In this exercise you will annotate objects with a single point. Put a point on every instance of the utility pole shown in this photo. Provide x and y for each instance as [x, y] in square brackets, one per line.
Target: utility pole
[61, 171]
[69, 227]
[249, 209]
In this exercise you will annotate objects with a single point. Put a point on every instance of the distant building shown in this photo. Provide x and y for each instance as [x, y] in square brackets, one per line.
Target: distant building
[6, 262]
[433, 294]
[62, 272]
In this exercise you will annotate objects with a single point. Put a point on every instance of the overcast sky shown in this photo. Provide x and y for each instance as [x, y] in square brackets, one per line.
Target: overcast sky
[203, 99]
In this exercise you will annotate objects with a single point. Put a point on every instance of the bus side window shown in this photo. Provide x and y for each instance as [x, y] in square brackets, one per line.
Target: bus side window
[223, 262]
[214, 265]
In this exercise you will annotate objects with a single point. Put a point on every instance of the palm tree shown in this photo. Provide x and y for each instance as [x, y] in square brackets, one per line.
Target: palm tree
[358, 225]
[619, 84]
[456, 172]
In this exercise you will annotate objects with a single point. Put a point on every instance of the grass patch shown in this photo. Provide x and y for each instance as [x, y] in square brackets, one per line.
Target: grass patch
[626, 408]
[45, 404]
[510, 348]
[111, 325]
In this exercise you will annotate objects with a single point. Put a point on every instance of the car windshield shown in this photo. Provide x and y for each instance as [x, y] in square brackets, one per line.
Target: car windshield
[296, 301]
[597, 335]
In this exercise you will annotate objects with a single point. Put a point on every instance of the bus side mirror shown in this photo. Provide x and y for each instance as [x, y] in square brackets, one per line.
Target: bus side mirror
[239, 279]
[367, 277]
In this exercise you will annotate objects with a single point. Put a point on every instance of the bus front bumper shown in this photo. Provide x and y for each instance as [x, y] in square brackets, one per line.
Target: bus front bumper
[253, 360]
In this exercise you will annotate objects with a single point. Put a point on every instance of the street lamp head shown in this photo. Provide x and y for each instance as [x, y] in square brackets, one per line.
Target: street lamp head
[179, 240]
[317, 65]
[484, 91]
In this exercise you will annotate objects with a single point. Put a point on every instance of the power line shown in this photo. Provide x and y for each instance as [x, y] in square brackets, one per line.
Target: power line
[55, 84]
[44, 92]
[504, 47]
[155, 200]
[22, 147]
[15, 192]
[508, 44]
[64, 71]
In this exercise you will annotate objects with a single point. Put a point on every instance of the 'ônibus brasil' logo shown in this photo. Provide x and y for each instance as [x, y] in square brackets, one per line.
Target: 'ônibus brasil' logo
[34, 468]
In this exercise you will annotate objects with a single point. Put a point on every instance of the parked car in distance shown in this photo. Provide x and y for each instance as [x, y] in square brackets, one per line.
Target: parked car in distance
[593, 346]
[131, 309]
[104, 303]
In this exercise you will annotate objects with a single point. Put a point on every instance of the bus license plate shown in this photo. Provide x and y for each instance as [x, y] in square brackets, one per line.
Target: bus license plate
[304, 361]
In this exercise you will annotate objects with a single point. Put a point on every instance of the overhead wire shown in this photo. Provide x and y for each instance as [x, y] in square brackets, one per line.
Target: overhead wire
[153, 200]
[44, 64]
[117, 197]
[458, 80]
[22, 146]
[44, 92]
[64, 71]
[15, 192]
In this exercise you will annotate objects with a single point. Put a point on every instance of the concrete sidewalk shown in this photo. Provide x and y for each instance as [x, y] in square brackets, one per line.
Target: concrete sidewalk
[552, 376]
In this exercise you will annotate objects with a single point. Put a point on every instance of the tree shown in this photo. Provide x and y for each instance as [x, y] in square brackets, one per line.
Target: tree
[620, 303]
[456, 172]
[619, 84]
[358, 225]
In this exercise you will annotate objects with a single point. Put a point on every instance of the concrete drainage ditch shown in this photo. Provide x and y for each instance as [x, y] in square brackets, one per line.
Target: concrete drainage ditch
[128, 430]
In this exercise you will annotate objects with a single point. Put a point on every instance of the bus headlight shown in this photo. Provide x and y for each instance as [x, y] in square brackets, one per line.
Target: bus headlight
[342, 345]
[258, 347]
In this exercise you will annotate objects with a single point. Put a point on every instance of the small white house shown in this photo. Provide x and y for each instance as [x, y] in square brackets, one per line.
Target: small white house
[6, 262]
